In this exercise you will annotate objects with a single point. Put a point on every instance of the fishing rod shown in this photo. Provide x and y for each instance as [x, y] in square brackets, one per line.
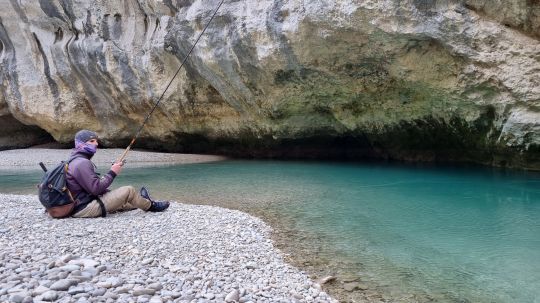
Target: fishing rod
[124, 154]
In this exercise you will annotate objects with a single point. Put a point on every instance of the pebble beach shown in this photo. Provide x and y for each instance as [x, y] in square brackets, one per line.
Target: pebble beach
[30, 157]
[189, 253]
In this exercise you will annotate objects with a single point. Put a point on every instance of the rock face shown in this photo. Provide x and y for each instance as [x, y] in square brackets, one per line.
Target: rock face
[413, 79]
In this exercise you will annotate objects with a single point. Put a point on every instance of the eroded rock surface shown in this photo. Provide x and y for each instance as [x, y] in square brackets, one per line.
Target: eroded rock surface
[419, 80]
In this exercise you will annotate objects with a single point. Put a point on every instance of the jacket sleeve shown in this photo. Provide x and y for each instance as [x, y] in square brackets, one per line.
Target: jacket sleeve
[88, 179]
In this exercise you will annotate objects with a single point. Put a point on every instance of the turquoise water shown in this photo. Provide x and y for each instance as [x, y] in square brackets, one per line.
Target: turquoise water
[447, 234]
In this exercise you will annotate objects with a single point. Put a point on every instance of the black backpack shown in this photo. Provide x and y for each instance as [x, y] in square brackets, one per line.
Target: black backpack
[53, 192]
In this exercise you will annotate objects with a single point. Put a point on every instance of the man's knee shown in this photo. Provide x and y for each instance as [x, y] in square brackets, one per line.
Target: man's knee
[123, 193]
[129, 189]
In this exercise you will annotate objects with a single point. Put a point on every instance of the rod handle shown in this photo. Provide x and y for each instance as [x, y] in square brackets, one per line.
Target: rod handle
[124, 154]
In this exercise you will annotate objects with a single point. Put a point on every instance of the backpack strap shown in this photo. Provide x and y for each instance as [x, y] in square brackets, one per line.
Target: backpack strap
[66, 164]
[73, 158]
[102, 206]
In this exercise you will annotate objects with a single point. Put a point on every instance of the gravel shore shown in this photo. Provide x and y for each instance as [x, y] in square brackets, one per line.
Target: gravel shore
[189, 253]
[29, 158]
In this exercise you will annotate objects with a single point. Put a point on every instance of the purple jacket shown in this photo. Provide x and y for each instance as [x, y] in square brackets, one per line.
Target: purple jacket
[83, 181]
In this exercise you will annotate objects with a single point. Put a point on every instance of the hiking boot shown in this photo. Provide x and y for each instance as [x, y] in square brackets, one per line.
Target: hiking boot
[145, 194]
[158, 206]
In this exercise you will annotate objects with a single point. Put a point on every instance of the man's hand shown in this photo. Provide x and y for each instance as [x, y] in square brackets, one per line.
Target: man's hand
[117, 167]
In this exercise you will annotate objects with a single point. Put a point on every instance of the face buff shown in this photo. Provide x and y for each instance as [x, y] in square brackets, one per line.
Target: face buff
[85, 147]
[83, 136]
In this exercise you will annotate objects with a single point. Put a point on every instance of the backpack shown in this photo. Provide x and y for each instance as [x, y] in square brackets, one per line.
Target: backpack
[53, 192]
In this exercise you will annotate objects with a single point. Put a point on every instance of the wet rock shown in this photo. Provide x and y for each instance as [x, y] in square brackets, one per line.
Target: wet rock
[326, 279]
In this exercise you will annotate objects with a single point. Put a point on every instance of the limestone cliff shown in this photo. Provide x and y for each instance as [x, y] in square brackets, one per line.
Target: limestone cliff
[403, 79]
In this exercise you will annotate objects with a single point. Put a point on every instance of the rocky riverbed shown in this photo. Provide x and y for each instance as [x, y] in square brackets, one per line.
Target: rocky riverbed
[189, 253]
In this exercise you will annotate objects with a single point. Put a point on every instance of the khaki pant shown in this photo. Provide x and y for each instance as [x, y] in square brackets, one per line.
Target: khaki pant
[123, 198]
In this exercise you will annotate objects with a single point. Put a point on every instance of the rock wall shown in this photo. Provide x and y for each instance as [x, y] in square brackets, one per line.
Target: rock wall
[417, 79]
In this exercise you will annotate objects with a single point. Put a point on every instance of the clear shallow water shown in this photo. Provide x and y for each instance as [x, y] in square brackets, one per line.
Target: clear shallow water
[448, 234]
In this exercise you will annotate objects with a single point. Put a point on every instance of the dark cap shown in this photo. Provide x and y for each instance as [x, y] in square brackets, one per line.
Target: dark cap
[85, 135]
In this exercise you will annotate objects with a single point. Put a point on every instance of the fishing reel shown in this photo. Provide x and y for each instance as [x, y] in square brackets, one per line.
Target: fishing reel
[123, 162]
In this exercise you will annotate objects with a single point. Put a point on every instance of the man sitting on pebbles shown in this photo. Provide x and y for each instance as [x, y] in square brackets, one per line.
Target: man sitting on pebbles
[91, 192]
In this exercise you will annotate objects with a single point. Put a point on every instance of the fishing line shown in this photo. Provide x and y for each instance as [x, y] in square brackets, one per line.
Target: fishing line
[124, 154]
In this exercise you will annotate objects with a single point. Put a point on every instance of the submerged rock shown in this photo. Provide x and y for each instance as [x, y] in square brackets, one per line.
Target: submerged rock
[415, 80]
[352, 286]
[326, 279]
